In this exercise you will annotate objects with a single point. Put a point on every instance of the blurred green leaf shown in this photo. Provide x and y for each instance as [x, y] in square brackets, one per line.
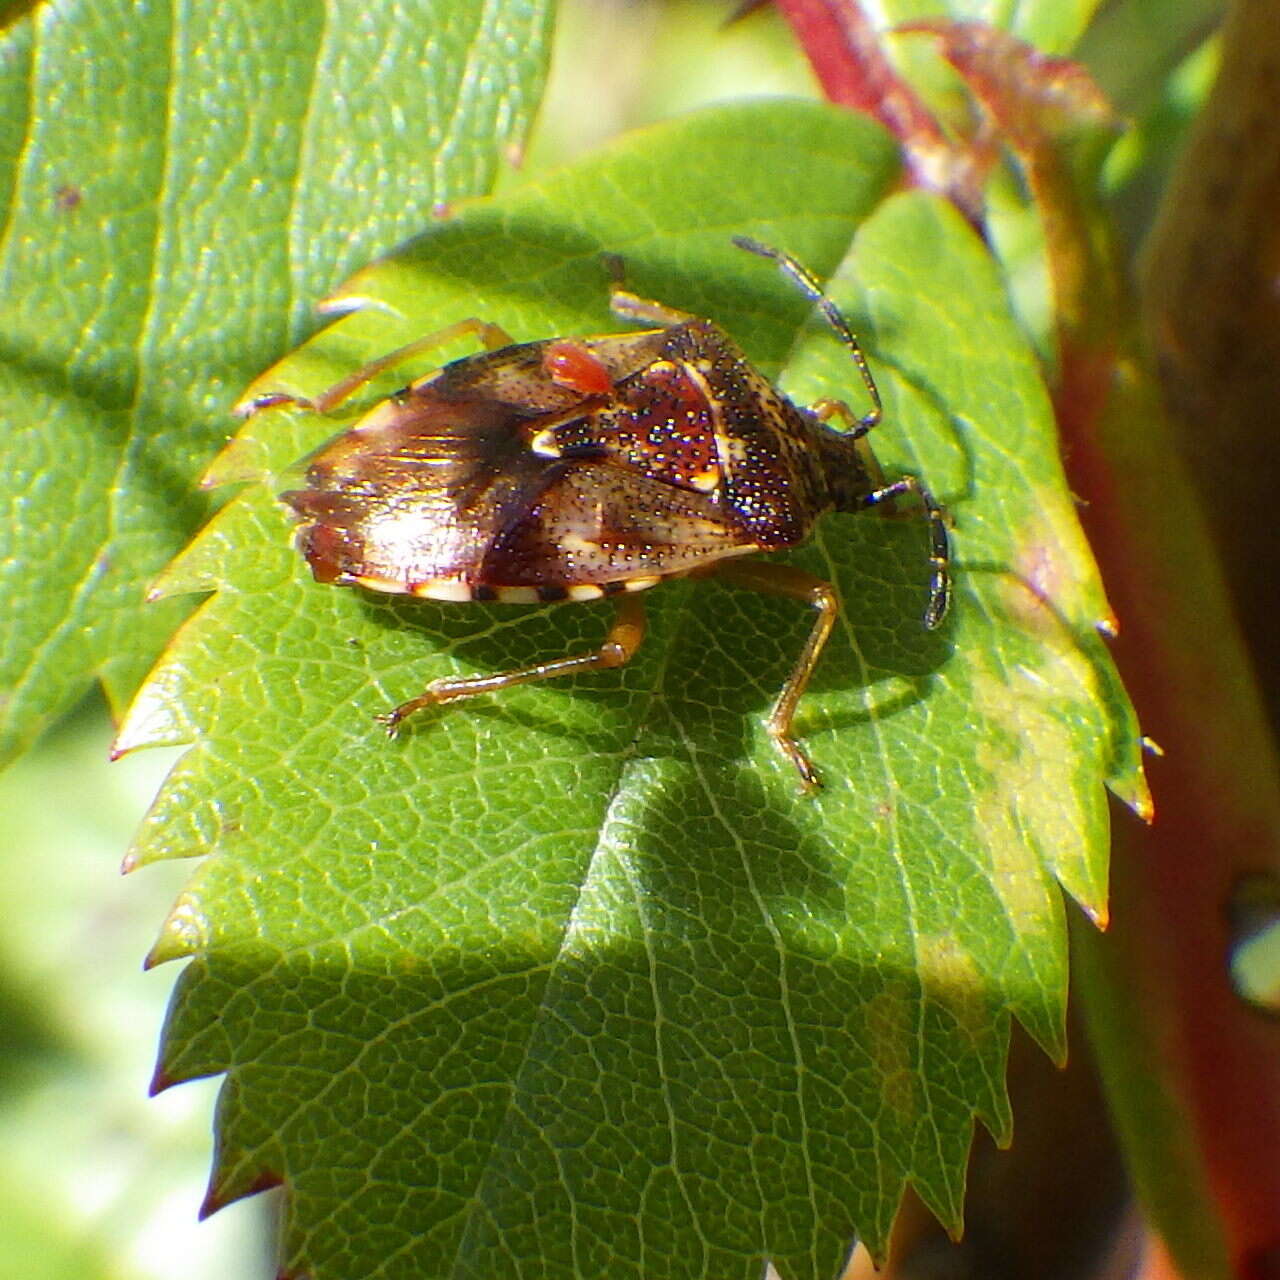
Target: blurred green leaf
[179, 185]
[1133, 46]
[573, 981]
[96, 1179]
[34, 1248]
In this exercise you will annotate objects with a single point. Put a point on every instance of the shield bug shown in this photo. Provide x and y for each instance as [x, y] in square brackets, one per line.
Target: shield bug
[576, 468]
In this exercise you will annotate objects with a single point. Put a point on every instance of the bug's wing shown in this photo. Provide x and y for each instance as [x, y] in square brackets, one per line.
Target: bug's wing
[595, 524]
[490, 475]
[415, 492]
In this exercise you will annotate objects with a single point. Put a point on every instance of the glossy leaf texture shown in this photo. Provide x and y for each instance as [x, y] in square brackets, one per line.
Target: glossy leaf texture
[177, 184]
[574, 981]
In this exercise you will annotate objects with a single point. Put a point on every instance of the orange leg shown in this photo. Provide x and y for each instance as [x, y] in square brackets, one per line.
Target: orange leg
[490, 335]
[630, 306]
[826, 407]
[786, 580]
[623, 638]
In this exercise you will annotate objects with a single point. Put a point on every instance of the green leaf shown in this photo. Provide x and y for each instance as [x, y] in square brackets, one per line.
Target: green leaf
[170, 212]
[1131, 50]
[574, 981]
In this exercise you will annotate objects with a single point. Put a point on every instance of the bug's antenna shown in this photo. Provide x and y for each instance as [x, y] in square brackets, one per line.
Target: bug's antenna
[812, 290]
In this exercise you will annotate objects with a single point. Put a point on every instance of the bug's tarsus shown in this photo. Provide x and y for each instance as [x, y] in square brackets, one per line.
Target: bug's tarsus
[809, 286]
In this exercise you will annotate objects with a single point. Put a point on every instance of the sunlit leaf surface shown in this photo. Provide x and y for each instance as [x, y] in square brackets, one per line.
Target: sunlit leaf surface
[178, 183]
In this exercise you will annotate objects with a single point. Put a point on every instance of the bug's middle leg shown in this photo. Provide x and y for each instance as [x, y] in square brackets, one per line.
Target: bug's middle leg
[620, 644]
[786, 580]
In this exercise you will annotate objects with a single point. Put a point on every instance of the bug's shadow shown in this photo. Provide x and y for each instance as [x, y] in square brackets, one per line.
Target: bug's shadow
[713, 844]
[591, 709]
[733, 650]
[714, 660]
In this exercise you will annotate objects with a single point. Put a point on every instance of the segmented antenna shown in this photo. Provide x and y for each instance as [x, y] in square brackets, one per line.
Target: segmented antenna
[812, 290]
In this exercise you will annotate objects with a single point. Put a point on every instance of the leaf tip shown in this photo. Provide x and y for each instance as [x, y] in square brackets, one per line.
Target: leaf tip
[168, 583]
[183, 934]
[162, 952]
[1134, 792]
[212, 1202]
[125, 741]
[220, 1194]
[1098, 915]
[150, 720]
[160, 1081]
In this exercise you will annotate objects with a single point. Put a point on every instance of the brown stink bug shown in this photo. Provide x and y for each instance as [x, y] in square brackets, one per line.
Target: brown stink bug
[575, 468]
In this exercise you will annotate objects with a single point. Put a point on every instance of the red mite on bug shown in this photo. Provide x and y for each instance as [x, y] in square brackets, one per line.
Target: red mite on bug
[575, 468]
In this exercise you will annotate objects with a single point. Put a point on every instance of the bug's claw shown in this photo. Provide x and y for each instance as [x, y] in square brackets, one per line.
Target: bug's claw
[391, 720]
[269, 400]
[810, 780]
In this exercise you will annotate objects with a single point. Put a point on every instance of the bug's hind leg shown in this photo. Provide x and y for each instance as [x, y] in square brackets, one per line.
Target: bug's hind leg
[786, 580]
[619, 646]
[491, 335]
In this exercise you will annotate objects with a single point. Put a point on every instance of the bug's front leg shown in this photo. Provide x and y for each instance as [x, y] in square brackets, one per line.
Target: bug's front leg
[623, 638]
[786, 580]
[491, 335]
[939, 542]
